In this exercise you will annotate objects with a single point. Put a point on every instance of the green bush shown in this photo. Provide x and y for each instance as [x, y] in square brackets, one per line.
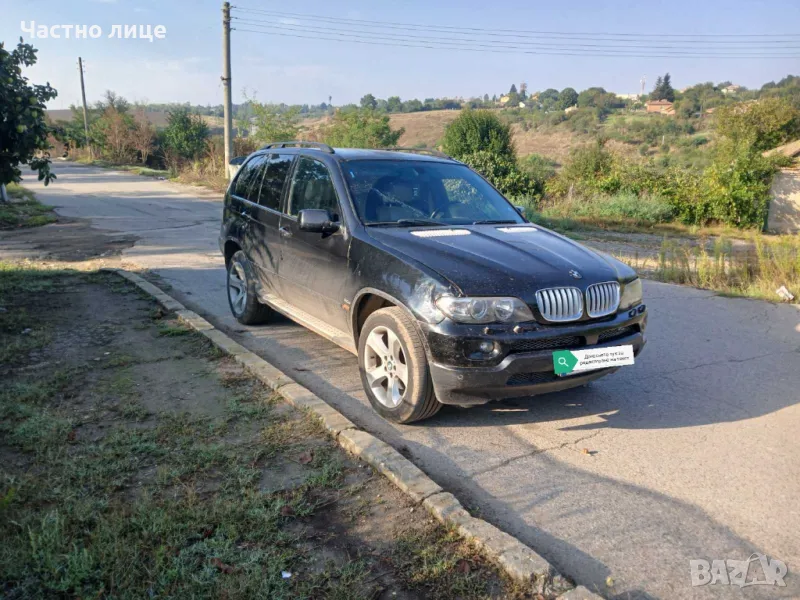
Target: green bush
[760, 125]
[184, 137]
[736, 186]
[477, 131]
[504, 174]
[540, 169]
[363, 128]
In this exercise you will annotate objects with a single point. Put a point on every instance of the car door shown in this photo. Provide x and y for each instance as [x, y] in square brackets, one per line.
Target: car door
[313, 266]
[243, 197]
[264, 248]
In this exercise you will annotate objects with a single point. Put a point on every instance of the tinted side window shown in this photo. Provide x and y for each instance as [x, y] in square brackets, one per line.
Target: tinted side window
[312, 187]
[249, 179]
[272, 186]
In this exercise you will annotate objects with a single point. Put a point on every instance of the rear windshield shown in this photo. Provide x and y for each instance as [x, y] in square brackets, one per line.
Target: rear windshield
[387, 191]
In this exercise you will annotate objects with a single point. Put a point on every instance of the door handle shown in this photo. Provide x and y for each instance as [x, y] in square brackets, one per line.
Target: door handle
[285, 232]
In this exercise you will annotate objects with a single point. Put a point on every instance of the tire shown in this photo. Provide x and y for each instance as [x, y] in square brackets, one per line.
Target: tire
[389, 348]
[247, 309]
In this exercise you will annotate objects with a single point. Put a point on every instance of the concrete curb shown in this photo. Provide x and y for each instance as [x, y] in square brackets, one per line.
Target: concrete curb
[520, 562]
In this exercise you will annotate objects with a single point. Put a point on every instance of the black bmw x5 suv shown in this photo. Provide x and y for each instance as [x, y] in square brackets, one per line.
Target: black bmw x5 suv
[416, 264]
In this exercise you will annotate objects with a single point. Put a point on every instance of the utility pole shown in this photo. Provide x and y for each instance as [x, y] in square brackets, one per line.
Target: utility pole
[85, 115]
[226, 82]
[643, 81]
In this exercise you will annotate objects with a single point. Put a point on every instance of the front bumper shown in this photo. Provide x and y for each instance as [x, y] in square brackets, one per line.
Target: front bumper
[463, 382]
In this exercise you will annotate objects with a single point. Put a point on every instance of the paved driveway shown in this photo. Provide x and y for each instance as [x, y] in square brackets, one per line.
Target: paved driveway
[692, 453]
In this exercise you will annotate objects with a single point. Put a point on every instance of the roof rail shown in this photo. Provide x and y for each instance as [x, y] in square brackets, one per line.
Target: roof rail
[420, 151]
[300, 144]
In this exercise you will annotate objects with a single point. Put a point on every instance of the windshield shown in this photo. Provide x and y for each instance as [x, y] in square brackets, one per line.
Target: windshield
[405, 192]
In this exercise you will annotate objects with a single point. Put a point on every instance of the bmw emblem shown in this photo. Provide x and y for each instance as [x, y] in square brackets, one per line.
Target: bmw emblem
[575, 275]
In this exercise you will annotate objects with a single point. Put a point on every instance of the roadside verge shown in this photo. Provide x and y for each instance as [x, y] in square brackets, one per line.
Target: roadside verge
[518, 560]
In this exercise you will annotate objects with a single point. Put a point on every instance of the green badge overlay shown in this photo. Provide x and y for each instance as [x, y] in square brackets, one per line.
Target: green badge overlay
[574, 361]
[564, 361]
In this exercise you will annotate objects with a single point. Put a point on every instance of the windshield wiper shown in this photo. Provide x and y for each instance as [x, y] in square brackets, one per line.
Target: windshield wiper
[407, 223]
[496, 222]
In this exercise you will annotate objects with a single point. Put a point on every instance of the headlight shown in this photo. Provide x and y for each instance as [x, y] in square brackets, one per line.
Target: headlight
[484, 310]
[631, 294]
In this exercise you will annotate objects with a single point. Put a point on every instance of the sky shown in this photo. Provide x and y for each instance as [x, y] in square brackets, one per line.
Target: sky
[186, 66]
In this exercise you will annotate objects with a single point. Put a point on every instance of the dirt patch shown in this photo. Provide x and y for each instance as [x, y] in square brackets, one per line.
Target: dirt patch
[67, 240]
[138, 461]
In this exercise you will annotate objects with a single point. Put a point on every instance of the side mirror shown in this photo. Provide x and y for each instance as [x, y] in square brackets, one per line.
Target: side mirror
[317, 220]
[520, 210]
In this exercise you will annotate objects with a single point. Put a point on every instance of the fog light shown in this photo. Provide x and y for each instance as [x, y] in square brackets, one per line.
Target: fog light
[486, 347]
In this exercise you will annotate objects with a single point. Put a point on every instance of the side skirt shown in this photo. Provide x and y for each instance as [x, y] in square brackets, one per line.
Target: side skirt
[337, 336]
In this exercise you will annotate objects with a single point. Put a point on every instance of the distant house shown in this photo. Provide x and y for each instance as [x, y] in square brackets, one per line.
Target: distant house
[731, 89]
[570, 109]
[665, 107]
[504, 99]
[628, 96]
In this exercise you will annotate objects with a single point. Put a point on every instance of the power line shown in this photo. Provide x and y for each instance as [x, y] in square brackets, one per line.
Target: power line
[680, 49]
[355, 39]
[524, 33]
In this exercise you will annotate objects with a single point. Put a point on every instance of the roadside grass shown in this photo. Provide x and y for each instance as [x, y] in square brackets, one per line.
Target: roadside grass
[23, 209]
[200, 175]
[114, 486]
[136, 169]
[758, 272]
[612, 211]
[21, 330]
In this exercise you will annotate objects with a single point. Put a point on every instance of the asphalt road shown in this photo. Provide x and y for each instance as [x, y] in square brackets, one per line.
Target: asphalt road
[691, 453]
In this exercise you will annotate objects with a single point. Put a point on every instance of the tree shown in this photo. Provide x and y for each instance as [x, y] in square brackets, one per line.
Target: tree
[566, 98]
[184, 137]
[394, 104]
[523, 90]
[113, 129]
[369, 101]
[142, 136]
[412, 105]
[663, 89]
[759, 125]
[23, 128]
[486, 98]
[361, 129]
[475, 130]
[655, 94]
[513, 89]
[667, 93]
[551, 94]
[112, 100]
[273, 125]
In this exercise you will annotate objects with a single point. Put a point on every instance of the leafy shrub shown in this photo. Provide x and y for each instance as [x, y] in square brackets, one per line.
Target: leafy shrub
[361, 129]
[184, 138]
[540, 170]
[504, 174]
[761, 125]
[587, 170]
[476, 131]
[583, 120]
[736, 186]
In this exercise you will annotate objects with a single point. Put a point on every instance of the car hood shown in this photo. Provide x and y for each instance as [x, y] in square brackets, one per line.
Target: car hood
[501, 260]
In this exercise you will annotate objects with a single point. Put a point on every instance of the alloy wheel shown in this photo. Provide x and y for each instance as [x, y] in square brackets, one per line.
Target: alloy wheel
[386, 367]
[237, 287]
